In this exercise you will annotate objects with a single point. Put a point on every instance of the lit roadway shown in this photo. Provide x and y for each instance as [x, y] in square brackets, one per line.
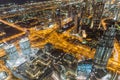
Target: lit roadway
[79, 51]
[41, 37]
[27, 9]
[14, 26]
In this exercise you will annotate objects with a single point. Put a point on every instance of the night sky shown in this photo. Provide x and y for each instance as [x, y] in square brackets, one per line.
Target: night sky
[17, 1]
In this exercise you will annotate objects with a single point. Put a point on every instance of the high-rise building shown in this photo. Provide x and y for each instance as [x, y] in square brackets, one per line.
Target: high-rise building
[103, 53]
[98, 8]
[11, 51]
[25, 46]
[104, 48]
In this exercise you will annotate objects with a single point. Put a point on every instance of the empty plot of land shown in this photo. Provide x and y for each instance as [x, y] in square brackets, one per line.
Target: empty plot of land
[8, 31]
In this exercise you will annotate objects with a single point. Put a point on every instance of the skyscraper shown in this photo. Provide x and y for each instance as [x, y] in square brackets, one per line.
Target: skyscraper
[104, 48]
[11, 51]
[103, 53]
[25, 46]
